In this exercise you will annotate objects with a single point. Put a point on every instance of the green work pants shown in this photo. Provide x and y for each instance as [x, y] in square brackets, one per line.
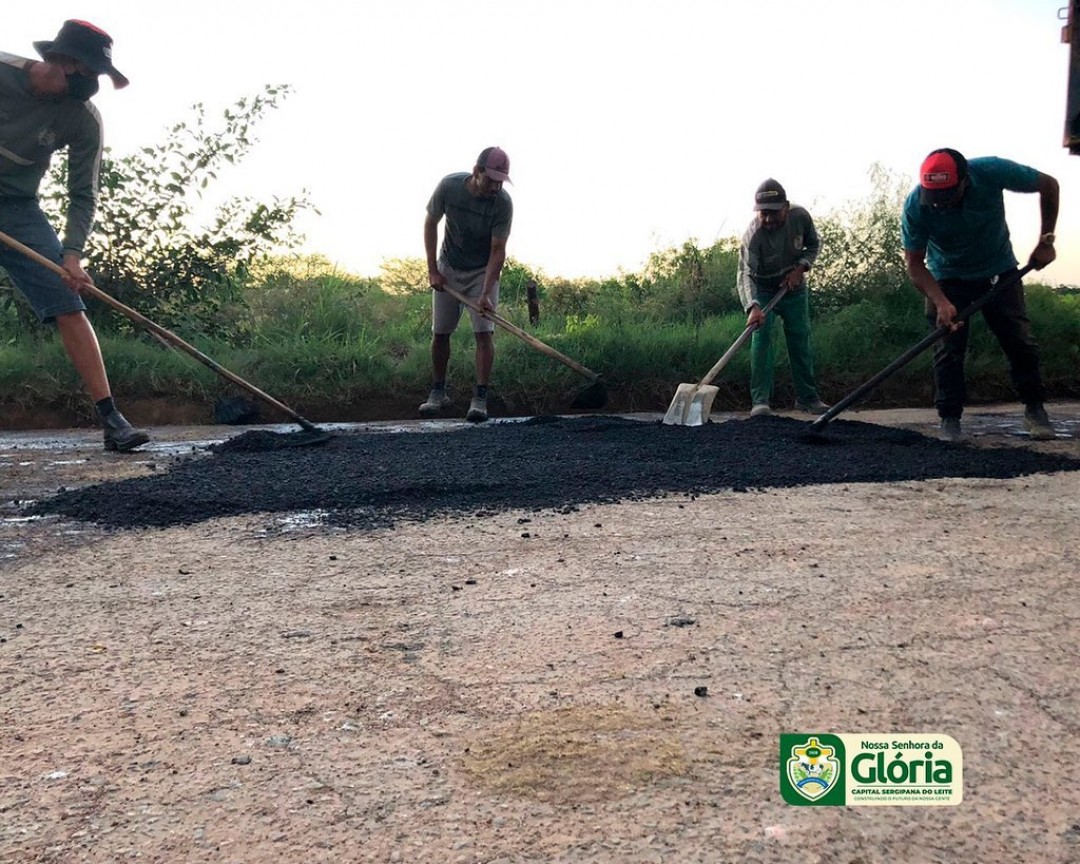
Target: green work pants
[794, 311]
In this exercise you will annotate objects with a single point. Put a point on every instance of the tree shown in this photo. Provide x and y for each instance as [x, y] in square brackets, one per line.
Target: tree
[860, 255]
[146, 249]
[692, 283]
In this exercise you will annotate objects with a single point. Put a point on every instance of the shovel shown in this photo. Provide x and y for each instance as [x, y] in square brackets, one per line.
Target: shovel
[315, 434]
[592, 397]
[693, 402]
[818, 426]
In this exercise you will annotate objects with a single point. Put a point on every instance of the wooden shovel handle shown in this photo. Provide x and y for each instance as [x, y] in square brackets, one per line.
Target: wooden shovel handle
[723, 361]
[159, 331]
[521, 334]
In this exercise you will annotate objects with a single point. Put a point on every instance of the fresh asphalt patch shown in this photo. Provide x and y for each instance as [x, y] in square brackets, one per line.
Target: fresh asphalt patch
[376, 479]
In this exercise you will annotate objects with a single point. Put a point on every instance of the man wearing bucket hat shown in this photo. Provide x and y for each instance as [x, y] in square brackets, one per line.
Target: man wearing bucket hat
[44, 108]
[777, 250]
[957, 247]
[478, 215]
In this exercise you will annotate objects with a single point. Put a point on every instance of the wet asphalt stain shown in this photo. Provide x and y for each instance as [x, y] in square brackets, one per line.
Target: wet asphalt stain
[372, 480]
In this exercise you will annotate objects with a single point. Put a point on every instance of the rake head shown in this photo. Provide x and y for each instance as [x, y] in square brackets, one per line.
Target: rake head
[592, 398]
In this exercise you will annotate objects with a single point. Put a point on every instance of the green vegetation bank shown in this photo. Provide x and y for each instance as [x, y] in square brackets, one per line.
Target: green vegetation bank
[338, 347]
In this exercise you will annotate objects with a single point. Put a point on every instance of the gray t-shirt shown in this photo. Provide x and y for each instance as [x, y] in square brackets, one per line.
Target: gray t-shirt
[471, 221]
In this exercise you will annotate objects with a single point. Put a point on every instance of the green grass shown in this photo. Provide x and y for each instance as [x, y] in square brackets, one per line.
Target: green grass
[310, 334]
[333, 340]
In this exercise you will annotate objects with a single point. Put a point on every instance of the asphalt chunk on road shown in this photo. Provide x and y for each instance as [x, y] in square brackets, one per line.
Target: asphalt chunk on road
[369, 480]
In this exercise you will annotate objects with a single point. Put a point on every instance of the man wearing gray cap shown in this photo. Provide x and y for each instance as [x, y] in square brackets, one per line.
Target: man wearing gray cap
[777, 250]
[44, 108]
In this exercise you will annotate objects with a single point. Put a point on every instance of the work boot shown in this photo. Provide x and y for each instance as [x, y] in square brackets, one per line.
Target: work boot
[1038, 424]
[436, 401]
[762, 409]
[950, 429]
[815, 406]
[477, 410]
[121, 435]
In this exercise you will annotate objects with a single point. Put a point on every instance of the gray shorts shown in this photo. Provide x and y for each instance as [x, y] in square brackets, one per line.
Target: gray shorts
[446, 311]
[22, 219]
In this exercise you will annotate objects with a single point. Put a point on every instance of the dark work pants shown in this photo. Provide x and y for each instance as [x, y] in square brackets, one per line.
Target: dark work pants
[1006, 316]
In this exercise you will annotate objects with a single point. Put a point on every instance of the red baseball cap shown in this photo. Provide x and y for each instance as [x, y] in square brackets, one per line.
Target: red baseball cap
[941, 172]
[495, 163]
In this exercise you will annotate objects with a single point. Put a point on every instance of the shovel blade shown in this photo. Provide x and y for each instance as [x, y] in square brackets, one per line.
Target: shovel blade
[697, 413]
[691, 405]
[677, 409]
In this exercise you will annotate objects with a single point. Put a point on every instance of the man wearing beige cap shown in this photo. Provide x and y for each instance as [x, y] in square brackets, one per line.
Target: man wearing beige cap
[478, 215]
[45, 107]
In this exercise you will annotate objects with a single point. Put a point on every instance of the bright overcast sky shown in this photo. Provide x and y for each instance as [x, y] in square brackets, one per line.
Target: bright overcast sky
[631, 126]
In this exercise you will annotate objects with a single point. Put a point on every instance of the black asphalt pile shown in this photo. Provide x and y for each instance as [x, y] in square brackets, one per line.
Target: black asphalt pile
[260, 440]
[378, 479]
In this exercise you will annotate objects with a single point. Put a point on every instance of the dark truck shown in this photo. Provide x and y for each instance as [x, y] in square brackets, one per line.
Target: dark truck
[1070, 34]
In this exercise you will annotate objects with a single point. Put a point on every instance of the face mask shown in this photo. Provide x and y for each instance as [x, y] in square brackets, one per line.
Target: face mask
[81, 87]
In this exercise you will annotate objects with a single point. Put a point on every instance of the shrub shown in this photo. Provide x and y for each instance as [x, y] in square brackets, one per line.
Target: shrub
[147, 251]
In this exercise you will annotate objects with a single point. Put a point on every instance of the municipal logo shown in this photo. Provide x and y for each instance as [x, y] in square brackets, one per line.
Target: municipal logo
[907, 769]
[813, 769]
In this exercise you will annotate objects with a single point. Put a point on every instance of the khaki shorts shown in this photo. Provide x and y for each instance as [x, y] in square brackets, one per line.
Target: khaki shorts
[446, 311]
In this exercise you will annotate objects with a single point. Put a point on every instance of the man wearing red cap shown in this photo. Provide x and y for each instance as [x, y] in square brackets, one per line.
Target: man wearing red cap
[478, 215]
[44, 108]
[957, 247]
